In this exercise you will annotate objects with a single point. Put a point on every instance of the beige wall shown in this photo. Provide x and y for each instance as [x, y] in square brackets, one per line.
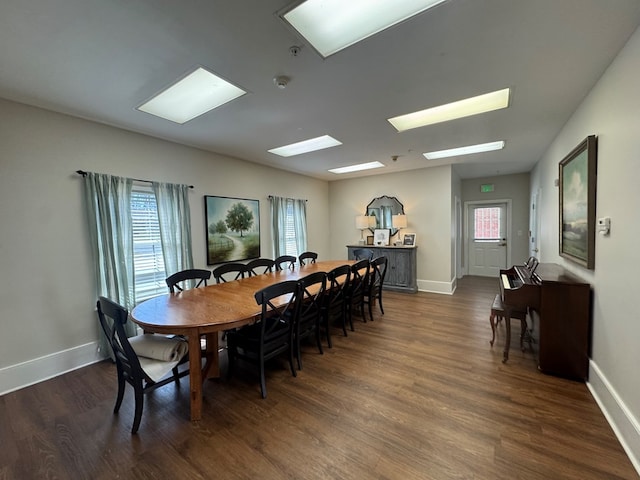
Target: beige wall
[426, 195]
[48, 296]
[612, 112]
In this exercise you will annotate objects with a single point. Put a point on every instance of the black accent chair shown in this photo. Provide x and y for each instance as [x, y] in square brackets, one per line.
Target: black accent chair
[112, 318]
[312, 291]
[272, 335]
[334, 305]
[285, 261]
[260, 266]
[178, 281]
[377, 272]
[360, 253]
[307, 257]
[237, 271]
[357, 288]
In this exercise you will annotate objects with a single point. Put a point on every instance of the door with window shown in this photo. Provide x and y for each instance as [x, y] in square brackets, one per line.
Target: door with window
[487, 227]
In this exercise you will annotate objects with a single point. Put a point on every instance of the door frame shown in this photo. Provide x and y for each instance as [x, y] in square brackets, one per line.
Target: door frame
[467, 238]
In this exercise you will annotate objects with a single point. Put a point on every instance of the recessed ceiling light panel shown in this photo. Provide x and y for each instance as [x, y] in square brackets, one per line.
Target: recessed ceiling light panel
[450, 111]
[197, 93]
[311, 145]
[454, 152]
[357, 168]
[332, 25]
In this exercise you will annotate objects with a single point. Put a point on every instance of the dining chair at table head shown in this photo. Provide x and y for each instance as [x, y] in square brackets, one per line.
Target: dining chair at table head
[307, 257]
[272, 335]
[357, 288]
[260, 266]
[285, 261]
[143, 361]
[373, 292]
[195, 277]
[334, 304]
[361, 253]
[230, 271]
[307, 325]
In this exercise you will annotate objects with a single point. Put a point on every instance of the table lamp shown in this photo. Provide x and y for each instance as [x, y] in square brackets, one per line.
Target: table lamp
[399, 222]
[362, 223]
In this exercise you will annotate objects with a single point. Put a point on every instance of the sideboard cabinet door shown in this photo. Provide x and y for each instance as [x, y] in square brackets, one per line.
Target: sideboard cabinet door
[401, 266]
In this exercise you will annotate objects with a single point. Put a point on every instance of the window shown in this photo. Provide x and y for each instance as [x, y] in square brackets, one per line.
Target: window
[487, 223]
[290, 232]
[148, 262]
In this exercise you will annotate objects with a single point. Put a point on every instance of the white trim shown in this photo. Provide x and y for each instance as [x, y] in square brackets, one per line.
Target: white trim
[15, 377]
[625, 426]
[431, 286]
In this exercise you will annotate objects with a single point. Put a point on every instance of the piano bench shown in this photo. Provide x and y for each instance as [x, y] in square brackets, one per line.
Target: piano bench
[498, 313]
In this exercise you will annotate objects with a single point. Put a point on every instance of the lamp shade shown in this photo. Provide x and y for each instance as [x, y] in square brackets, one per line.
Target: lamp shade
[362, 222]
[399, 221]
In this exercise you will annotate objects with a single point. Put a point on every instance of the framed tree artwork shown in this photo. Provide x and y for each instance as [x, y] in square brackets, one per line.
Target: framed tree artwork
[233, 229]
[577, 182]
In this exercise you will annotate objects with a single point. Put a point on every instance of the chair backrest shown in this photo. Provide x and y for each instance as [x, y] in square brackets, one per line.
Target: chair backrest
[113, 318]
[260, 266]
[285, 261]
[230, 271]
[277, 320]
[307, 257]
[338, 281]
[359, 279]
[377, 273]
[178, 281]
[362, 253]
[312, 291]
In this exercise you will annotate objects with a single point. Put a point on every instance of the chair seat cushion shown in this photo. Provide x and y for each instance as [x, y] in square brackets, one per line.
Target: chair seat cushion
[159, 347]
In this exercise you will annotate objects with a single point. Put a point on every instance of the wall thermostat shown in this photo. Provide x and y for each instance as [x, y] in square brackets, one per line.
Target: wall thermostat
[604, 225]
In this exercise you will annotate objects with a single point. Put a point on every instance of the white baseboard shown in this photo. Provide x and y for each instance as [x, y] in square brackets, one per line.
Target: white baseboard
[446, 288]
[15, 377]
[622, 421]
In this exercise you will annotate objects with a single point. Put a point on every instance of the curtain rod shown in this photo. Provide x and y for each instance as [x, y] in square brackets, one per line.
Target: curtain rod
[84, 174]
[270, 197]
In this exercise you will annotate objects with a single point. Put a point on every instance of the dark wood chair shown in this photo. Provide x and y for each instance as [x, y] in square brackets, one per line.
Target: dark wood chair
[362, 253]
[144, 374]
[334, 305]
[272, 335]
[260, 266]
[312, 291]
[376, 280]
[285, 261]
[194, 277]
[307, 257]
[357, 288]
[230, 271]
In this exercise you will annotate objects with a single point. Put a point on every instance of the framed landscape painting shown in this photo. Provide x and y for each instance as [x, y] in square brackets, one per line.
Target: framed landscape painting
[233, 229]
[577, 184]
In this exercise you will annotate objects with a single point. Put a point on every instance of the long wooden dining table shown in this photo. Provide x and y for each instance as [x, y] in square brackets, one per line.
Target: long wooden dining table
[206, 311]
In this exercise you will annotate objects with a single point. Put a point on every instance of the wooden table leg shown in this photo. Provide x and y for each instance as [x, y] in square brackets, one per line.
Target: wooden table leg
[507, 341]
[195, 376]
[212, 358]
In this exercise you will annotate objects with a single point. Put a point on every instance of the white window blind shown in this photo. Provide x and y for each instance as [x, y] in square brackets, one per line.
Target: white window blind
[487, 223]
[290, 234]
[148, 262]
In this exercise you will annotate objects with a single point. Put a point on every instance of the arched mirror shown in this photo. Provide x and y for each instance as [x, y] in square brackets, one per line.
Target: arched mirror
[384, 208]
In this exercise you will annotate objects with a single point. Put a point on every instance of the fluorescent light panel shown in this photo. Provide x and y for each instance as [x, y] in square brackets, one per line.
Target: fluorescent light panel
[197, 93]
[356, 168]
[450, 111]
[306, 146]
[332, 25]
[453, 152]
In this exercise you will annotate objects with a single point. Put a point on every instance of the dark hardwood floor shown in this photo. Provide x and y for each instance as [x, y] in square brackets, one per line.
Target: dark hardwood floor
[417, 394]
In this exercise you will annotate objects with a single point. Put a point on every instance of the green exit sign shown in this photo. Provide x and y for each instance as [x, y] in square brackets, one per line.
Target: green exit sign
[487, 187]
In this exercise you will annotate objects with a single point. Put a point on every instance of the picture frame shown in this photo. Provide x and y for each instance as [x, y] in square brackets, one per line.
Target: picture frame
[369, 239]
[381, 236]
[232, 226]
[577, 183]
[409, 240]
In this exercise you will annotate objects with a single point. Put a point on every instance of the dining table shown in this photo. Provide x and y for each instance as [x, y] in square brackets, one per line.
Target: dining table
[207, 311]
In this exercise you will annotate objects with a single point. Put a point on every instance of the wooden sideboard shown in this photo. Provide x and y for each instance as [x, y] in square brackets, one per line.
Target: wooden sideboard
[401, 266]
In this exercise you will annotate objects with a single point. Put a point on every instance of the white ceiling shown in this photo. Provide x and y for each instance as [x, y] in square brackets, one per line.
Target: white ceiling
[100, 59]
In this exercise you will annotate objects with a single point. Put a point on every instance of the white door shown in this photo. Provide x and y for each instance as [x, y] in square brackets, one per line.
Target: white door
[487, 227]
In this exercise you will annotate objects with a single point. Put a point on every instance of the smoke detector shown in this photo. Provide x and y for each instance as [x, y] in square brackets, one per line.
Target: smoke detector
[281, 81]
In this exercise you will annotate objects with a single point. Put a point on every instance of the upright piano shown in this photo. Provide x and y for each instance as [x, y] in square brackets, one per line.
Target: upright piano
[561, 304]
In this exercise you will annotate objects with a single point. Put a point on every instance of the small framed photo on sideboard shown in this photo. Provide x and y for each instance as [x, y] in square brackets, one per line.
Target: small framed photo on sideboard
[409, 240]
